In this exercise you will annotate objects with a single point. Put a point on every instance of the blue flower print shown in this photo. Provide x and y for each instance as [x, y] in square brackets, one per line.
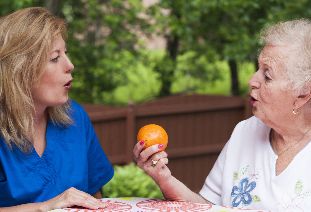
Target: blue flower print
[241, 194]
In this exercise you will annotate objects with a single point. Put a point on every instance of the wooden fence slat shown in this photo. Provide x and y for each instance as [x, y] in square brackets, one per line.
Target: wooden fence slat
[195, 151]
[130, 133]
[198, 127]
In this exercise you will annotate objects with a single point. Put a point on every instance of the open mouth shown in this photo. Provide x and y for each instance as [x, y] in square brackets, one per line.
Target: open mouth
[68, 84]
[253, 99]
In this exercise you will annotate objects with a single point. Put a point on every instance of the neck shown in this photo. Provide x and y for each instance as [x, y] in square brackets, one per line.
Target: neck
[291, 141]
[292, 128]
[40, 116]
[38, 136]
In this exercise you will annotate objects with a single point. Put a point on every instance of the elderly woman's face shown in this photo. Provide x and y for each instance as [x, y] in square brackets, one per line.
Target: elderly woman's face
[53, 87]
[271, 98]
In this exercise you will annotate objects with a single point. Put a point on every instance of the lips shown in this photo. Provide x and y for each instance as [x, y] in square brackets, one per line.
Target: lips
[68, 84]
[252, 100]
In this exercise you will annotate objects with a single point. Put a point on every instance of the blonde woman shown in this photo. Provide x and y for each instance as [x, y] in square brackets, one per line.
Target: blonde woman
[50, 156]
[265, 164]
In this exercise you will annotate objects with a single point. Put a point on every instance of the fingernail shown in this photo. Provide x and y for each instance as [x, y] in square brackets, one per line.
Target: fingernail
[160, 146]
[141, 143]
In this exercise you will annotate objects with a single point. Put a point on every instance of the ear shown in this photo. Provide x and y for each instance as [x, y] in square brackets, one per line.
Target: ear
[302, 98]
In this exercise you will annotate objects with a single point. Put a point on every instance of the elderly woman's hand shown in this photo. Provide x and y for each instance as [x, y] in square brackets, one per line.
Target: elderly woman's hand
[152, 160]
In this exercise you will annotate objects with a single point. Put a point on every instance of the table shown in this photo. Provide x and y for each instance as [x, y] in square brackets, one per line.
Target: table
[137, 204]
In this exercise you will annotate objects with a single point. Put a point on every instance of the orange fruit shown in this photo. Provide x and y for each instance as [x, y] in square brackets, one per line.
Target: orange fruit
[152, 134]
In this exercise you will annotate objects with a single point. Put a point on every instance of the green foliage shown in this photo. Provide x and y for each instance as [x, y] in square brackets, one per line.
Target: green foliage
[103, 47]
[219, 86]
[107, 44]
[131, 181]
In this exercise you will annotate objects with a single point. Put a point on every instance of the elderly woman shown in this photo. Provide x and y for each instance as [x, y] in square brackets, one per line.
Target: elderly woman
[50, 156]
[265, 164]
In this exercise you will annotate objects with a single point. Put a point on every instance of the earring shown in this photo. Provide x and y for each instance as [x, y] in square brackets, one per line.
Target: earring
[295, 112]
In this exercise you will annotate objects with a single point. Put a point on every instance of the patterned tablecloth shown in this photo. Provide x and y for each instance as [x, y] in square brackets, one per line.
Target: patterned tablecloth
[132, 204]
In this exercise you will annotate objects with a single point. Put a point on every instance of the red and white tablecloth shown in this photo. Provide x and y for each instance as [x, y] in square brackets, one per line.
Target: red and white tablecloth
[134, 204]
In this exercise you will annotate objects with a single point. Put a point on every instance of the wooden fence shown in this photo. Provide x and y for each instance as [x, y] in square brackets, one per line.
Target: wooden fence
[198, 127]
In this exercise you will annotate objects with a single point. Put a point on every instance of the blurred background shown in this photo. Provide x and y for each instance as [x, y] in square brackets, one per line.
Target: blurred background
[130, 51]
[178, 63]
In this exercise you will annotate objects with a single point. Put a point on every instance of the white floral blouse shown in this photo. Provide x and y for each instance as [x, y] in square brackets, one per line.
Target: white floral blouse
[244, 174]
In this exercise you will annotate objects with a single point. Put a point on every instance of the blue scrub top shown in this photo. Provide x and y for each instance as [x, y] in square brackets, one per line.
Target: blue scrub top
[73, 157]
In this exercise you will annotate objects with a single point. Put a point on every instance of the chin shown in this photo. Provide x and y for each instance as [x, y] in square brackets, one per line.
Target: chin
[256, 113]
[260, 116]
[59, 102]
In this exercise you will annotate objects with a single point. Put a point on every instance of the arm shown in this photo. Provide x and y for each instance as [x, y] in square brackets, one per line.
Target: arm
[69, 198]
[171, 188]
[31, 207]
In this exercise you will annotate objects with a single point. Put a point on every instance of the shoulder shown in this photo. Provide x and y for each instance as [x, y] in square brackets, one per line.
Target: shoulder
[251, 125]
[76, 109]
[78, 114]
[75, 105]
[249, 132]
[248, 142]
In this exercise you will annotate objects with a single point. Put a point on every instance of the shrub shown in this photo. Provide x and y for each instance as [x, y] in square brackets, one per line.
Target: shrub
[130, 181]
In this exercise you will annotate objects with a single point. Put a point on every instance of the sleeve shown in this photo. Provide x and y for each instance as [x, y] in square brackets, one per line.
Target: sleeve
[212, 187]
[100, 170]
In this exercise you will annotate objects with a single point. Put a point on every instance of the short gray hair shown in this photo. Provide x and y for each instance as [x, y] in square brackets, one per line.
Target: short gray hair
[295, 34]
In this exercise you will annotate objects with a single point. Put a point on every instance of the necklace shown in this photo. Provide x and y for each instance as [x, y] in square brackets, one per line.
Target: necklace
[290, 146]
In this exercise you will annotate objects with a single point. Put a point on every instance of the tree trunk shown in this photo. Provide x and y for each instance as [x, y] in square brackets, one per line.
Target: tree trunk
[169, 65]
[234, 77]
[53, 6]
[172, 47]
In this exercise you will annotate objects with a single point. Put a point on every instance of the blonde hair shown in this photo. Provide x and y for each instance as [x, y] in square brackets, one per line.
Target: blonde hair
[296, 35]
[26, 38]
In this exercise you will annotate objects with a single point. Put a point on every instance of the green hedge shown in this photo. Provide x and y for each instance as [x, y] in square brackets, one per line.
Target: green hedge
[131, 181]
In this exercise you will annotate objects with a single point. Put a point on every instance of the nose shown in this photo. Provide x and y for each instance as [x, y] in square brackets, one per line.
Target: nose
[254, 82]
[69, 65]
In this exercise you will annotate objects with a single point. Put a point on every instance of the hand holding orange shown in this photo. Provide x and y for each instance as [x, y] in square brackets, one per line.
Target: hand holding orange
[152, 134]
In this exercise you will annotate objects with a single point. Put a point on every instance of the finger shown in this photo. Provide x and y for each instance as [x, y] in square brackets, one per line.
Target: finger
[159, 155]
[137, 149]
[102, 205]
[93, 203]
[163, 161]
[152, 150]
[89, 205]
[86, 200]
[90, 202]
[153, 163]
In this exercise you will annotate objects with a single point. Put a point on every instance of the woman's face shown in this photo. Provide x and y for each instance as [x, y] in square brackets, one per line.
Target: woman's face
[272, 99]
[55, 82]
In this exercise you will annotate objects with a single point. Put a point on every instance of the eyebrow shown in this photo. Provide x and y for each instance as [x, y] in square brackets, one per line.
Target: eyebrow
[58, 49]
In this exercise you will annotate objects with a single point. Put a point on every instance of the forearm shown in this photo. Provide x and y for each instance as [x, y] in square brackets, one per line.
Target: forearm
[30, 207]
[173, 189]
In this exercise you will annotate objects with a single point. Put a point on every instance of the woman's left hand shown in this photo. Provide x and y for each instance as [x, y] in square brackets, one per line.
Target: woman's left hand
[152, 160]
[72, 197]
